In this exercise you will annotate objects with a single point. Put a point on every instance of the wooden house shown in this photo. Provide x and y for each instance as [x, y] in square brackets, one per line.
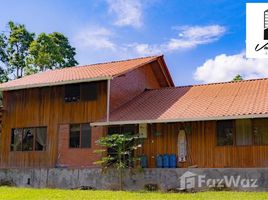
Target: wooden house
[52, 119]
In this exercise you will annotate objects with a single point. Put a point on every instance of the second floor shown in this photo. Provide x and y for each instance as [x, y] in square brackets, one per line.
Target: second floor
[77, 94]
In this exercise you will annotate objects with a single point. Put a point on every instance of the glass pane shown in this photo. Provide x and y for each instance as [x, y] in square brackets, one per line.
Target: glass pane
[260, 131]
[74, 136]
[129, 129]
[16, 139]
[243, 132]
[85, 136]
[114, 130]
[89, 91]
[72, 93]
[41, 139]
[225, 133]
[27, 139]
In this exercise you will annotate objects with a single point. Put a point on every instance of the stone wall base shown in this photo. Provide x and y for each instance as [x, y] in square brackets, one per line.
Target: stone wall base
[253, 179]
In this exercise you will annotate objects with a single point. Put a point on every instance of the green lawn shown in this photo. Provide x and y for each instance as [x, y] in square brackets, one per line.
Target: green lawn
[7, 193]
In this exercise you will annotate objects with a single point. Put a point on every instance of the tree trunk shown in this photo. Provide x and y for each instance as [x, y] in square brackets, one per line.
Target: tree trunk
[121, 178]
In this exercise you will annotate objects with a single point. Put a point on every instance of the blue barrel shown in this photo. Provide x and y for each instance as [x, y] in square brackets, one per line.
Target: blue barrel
[159, 161]
[166, 161]
[172, 161]
[144, 163]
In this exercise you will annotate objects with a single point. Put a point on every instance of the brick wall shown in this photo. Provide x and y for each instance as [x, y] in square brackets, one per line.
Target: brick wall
[80, 158]
[126, 87]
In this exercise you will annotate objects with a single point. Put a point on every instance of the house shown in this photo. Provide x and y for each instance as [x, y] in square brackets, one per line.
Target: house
[52, 119]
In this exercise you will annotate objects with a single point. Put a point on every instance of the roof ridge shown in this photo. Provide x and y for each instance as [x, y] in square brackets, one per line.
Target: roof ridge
[116, 61]
[217, 83]
[100, 63]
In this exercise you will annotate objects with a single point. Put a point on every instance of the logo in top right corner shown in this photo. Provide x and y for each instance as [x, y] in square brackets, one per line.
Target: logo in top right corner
[265, 25]
[257, 30]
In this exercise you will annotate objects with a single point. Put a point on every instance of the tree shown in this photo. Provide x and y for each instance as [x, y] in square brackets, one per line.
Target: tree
[17, 44]
[3, 58]
[122, 147]
[238, 77]
[22, 54]
[50, 51]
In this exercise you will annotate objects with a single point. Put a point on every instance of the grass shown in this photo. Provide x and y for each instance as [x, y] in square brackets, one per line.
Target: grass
[9, 193]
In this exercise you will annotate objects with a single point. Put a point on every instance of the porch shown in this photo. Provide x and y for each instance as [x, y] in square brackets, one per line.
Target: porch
[240, 143]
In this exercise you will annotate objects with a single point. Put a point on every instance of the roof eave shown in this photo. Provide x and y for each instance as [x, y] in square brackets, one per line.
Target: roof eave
[55, 84]
[169, 77]
[152, 121]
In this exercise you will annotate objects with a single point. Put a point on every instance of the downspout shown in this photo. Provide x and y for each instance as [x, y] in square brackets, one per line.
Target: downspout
[108, 99]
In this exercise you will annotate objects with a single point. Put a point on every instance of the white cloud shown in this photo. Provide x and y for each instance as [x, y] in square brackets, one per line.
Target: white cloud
[145, 49]
[128, 12]
[188, 37]
[94, 37]
[191, 36]
[225, 67]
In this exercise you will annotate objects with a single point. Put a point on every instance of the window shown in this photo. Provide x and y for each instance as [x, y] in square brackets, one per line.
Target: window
[80, 136]
[260, 131]
[40, 139]
[72, 93]
[28, 139]
[247, 132]
[243, 132]
[83, 92]
[225, 133]
[89, 91]
[16, 139]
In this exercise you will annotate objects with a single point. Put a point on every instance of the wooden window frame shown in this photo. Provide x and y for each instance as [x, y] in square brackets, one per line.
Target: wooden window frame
[81, 93]
[34, 137]
[234, 135]
[80, 138]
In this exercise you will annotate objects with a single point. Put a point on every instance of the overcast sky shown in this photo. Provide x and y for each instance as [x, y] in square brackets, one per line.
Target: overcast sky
[202, 41]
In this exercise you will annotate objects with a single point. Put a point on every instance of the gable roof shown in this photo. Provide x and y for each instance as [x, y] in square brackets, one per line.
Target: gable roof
[229, 100]
[87, 73]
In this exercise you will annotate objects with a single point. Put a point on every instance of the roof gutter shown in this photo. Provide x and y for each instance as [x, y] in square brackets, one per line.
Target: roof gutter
[179, 120]
[55, 84]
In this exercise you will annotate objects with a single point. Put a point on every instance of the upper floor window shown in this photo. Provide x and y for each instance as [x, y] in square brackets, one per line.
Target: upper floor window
[72, 93]
[80, 136]
[83, 92]
[29, 139]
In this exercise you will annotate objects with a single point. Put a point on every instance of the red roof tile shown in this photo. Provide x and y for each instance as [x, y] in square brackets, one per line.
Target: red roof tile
[77, 74]
[196, 103]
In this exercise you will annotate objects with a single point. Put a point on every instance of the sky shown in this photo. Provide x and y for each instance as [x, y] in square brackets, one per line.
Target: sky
[202, 41]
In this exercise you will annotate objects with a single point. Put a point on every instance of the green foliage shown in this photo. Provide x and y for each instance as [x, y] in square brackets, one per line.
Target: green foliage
[18, 41]
[238, 77]
[121, 147]
[22, 54]
[50, 51]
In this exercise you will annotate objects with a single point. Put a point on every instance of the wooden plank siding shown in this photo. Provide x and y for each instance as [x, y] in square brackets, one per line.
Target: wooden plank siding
[44, 107]
[202, 149]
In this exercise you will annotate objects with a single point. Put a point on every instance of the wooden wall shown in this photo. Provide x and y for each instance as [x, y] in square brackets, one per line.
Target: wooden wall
[202, 148]
[126, 87]
[44, 107]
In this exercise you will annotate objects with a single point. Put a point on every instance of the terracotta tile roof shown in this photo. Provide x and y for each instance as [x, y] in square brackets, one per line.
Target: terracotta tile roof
[77, 74]
[198, 102]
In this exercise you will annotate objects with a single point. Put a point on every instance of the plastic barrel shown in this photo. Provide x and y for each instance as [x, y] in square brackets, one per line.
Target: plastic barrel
[144, 163]
[159, 161]
[166, 161]
[172, 161]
